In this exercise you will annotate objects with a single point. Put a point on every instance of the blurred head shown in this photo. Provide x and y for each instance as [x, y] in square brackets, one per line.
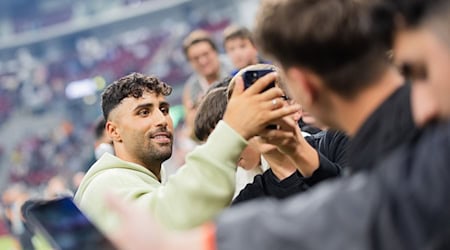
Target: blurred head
[238, 43]
[257, 144]
[210, 112]
[422, 46]
[102, 144]
[56, 187]
[250, 157]
[308, 118]
[328, 50]
[137, 119]
[201, 52]
[77, 178]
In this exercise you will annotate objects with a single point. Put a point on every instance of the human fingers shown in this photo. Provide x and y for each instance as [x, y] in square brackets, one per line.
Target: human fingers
[238, 88]
[272, 93]
[261, 84]
[275, 114]
[274, 136]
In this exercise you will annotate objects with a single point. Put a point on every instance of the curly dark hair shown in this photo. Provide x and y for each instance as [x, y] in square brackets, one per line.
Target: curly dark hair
[132, 85]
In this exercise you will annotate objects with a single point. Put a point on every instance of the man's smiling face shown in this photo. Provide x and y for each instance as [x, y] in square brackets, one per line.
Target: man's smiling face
[144, 128]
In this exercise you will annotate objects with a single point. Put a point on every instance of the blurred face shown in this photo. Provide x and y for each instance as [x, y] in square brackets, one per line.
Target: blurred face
[204, 59]
[427, 58]
[320, 111]
[308, 118]
[267, 149]
[241, 52]
[144, 129]
[250, 157]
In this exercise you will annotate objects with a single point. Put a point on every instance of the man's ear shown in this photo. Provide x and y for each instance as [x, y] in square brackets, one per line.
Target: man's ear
[306, 85]
[113, 131]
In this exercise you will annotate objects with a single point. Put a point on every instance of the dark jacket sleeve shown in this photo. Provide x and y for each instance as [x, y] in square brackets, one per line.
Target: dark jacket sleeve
[332, 149]
[402, 204]
[333, 215]
[251, 191]
[268, 185]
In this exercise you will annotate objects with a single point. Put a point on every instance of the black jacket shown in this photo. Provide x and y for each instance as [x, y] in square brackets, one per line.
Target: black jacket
[331, 147]
[402, 202]
[388, 127]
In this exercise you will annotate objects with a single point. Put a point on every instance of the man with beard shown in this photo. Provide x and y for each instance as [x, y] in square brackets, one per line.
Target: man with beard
[402, 203]
[138, 122]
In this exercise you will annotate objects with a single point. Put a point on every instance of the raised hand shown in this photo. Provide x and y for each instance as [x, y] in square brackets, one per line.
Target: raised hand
[249, 111]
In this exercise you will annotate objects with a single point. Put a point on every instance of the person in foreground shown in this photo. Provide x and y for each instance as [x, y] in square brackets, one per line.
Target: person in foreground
[138, 122]
[402, 203]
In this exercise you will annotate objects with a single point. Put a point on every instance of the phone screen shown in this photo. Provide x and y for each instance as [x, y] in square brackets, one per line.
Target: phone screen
[65, 226]
[250, 77]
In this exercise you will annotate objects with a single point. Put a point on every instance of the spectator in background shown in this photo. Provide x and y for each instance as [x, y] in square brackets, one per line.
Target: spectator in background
[240, 47]
[203, 55]
[12, 200]
[57, 187]
[102, 144]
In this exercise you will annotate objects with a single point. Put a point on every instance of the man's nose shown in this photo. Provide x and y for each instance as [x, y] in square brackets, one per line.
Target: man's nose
[160, 118]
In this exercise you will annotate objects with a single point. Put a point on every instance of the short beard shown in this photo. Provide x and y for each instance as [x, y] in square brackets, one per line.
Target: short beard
[155, 156]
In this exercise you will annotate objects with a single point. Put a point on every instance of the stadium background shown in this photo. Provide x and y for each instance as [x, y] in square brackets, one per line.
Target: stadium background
[56, 57]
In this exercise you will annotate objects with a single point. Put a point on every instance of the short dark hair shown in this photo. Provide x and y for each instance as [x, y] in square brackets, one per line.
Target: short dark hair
[225, 82]
[234, 31]
[132, 85]
[197, 36]
[344, 41]
[210, 112]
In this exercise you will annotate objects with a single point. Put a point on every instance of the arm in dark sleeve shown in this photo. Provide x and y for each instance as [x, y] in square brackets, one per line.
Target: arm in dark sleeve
[268, 185]
[251, 191]
[402, 204]
[332, 150]
[334, 215]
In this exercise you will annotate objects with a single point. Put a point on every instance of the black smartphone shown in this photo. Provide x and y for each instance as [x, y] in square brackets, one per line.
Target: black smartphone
[65, 227]
[250, 77]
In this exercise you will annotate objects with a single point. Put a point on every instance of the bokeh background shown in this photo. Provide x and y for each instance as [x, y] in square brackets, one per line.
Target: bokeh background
[56, 57]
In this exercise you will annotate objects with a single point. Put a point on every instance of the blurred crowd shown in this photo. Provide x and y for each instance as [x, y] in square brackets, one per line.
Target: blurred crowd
[34, 93]
[180, 123]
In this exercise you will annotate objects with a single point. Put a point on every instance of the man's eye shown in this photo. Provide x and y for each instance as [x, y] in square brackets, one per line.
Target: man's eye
[165, 110]
[143, 112]
[414, 72]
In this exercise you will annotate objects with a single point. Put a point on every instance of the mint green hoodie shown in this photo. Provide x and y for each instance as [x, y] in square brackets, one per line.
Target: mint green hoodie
[192, 196]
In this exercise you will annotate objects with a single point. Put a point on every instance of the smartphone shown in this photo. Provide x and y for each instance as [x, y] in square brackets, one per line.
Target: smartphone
[65, 227]
[250, 77]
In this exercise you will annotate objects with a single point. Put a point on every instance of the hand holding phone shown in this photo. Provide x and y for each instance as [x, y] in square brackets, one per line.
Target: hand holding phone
[251, 76]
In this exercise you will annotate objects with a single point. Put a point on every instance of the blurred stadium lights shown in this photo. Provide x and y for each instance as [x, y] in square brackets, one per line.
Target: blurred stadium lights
[85, 88]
